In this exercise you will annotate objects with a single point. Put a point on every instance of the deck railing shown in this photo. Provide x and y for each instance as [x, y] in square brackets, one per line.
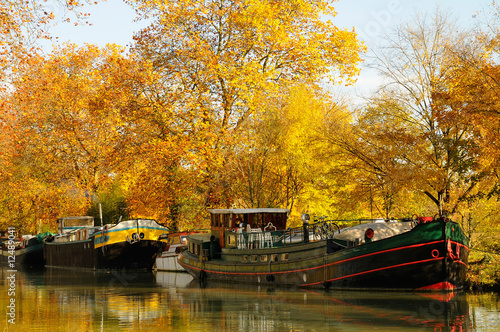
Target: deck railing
[257, 238]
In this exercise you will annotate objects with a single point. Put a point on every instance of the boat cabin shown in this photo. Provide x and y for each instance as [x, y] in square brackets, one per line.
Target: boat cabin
[68, 224]
[74, 229]
[222, 220]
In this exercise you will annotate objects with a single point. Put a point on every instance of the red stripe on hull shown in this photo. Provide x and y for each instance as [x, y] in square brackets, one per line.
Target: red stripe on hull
[332, 263]
[376, 270]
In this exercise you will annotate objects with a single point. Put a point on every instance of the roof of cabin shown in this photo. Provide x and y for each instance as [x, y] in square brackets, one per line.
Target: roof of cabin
[76, 218]
[247, 211]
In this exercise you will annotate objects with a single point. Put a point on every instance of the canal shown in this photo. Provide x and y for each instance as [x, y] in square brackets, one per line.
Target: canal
[63, 300]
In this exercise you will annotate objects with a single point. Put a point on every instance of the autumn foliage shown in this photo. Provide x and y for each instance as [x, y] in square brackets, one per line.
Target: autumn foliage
[169, 123]
[229, 104]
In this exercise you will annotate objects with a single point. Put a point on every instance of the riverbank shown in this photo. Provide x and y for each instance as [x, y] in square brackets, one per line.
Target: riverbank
[484, 272]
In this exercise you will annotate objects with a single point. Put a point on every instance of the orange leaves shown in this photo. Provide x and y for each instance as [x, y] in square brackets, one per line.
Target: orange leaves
[70, 122]
[166, 118]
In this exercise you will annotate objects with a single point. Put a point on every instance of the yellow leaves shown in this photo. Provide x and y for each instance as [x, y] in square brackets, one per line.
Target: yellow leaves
[282, 40]
[72, 129]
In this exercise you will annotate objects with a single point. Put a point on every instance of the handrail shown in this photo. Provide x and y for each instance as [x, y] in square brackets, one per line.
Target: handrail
[261, 239]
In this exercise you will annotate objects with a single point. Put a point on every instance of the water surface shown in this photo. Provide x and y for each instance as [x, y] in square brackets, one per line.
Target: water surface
[65, 300]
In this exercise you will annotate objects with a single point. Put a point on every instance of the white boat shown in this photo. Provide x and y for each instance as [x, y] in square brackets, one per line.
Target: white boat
[167, 260]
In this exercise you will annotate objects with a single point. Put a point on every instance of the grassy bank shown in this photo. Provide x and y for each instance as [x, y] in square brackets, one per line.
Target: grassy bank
[484, 271]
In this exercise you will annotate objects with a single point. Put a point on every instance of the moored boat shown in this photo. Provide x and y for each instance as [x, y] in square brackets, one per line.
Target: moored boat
[255, 246]
[167, 259]
[131, 244]
[23, 253]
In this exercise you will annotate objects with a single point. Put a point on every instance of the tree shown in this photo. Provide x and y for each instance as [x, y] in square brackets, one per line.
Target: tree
[267, 165]
[418, 134]
[373, 151]
[285, 159]
[71, 131]
[23, 22]
[473, 88]
[220, 62]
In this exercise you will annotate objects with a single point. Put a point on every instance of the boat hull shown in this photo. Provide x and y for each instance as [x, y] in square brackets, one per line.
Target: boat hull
[132, 244]
[168, 262]
[82, 254]
[431, 256]
[30, 257]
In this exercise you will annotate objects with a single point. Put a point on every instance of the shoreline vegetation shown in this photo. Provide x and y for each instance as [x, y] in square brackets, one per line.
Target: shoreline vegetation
[484, 272]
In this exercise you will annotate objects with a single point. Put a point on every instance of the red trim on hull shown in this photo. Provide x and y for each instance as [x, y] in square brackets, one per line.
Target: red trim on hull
[438, 286]
[445, 285]
[330, 264]
[375, 270]
[460, 244]
[320, 266]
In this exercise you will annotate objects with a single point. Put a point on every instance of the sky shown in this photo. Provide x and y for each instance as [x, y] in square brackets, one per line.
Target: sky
[374, 19]
[113, 22]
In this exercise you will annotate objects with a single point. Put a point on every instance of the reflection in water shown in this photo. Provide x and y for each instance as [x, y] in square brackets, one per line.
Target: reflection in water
[258, 309]
[60, 300]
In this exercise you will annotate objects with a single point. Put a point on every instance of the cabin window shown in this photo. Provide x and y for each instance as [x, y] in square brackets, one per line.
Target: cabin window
[274, 258]
[257, 221]
[253, 258]
[231, 240]
[263, 258]
[244, 258]
[278, 220]
[218, 218]
[284, 257]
